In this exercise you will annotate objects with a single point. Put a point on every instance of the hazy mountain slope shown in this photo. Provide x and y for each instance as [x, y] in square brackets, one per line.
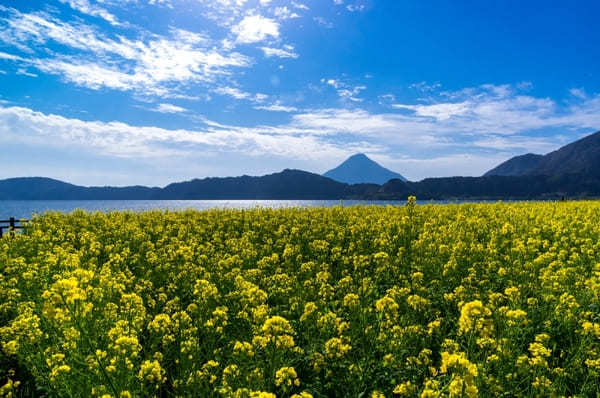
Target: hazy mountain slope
[41, 188]
[579, 157]
[519, 165]
[288, 184]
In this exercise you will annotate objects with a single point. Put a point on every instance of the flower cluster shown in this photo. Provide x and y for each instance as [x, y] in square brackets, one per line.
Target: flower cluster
[411, 301]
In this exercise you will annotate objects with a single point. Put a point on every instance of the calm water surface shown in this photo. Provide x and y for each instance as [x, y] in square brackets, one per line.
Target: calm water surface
[26, 208]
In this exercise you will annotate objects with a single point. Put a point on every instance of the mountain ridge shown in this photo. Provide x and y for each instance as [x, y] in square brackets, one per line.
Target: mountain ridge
[301, 185]
[581, 157]
[578, 157]
[570, 171]
[518, 165]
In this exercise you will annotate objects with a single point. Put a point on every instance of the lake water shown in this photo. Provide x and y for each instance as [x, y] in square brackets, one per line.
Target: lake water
[26, 208]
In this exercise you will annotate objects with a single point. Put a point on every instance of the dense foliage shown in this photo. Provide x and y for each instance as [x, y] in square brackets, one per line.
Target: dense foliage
[417, 301]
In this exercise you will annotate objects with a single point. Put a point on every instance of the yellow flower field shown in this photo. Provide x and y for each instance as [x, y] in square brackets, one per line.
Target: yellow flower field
[412, 301]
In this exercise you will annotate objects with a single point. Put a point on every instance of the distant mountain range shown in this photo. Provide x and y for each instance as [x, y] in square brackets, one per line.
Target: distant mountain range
[288, 184]
[579, 157]
[359, 169]
[571, 171]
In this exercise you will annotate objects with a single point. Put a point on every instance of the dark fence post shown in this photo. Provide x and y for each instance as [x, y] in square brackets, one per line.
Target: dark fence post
[12, 226]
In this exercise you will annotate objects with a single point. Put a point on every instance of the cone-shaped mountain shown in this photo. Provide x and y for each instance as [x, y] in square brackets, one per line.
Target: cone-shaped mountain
[359, 169]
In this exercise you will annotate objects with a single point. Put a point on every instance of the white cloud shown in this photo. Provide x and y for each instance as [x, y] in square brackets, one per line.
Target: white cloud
[284, 13]
[459, 164]
[279, 52]
[351, 93]
[233, 92]
[255, 28]
[323, 22]
[350, 121]
[515, 142]
[169, 108]
[578, 92]
[299, 6]
[162, 2]
[489, 109]
[223, 12]
[10, 57]
[524, 86]
[345, 91]
[437, 111]
[238, 94]
[488, 121]
[386, 99]
[355, 8]
[260, 97]
[425, 87]
[92, 75]
[277, 108]
[25, 72]
[121, 140]
[85, 7]
[332, 82]
[153, 65]
[338, 2]
[497, 124]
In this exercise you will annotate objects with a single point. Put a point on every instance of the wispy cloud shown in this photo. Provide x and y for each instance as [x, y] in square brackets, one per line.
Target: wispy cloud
[232, 92]
[169, 108]
[25, 72]
[277, 108]
[10, 57]
[299, 6]
[437, 111]
[578, 93]
[85, 7]
[284, 13]
[355, 7]
[238, 94]
[345, 90]
[19, 124]
[496, 109]
[224, 12]
[425, 87]
[495, 118]
[418, 141]
[153, 64]
[286, 52]
[323, 22]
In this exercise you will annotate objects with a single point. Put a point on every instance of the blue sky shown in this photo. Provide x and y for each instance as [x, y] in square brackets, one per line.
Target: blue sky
[118, 92]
